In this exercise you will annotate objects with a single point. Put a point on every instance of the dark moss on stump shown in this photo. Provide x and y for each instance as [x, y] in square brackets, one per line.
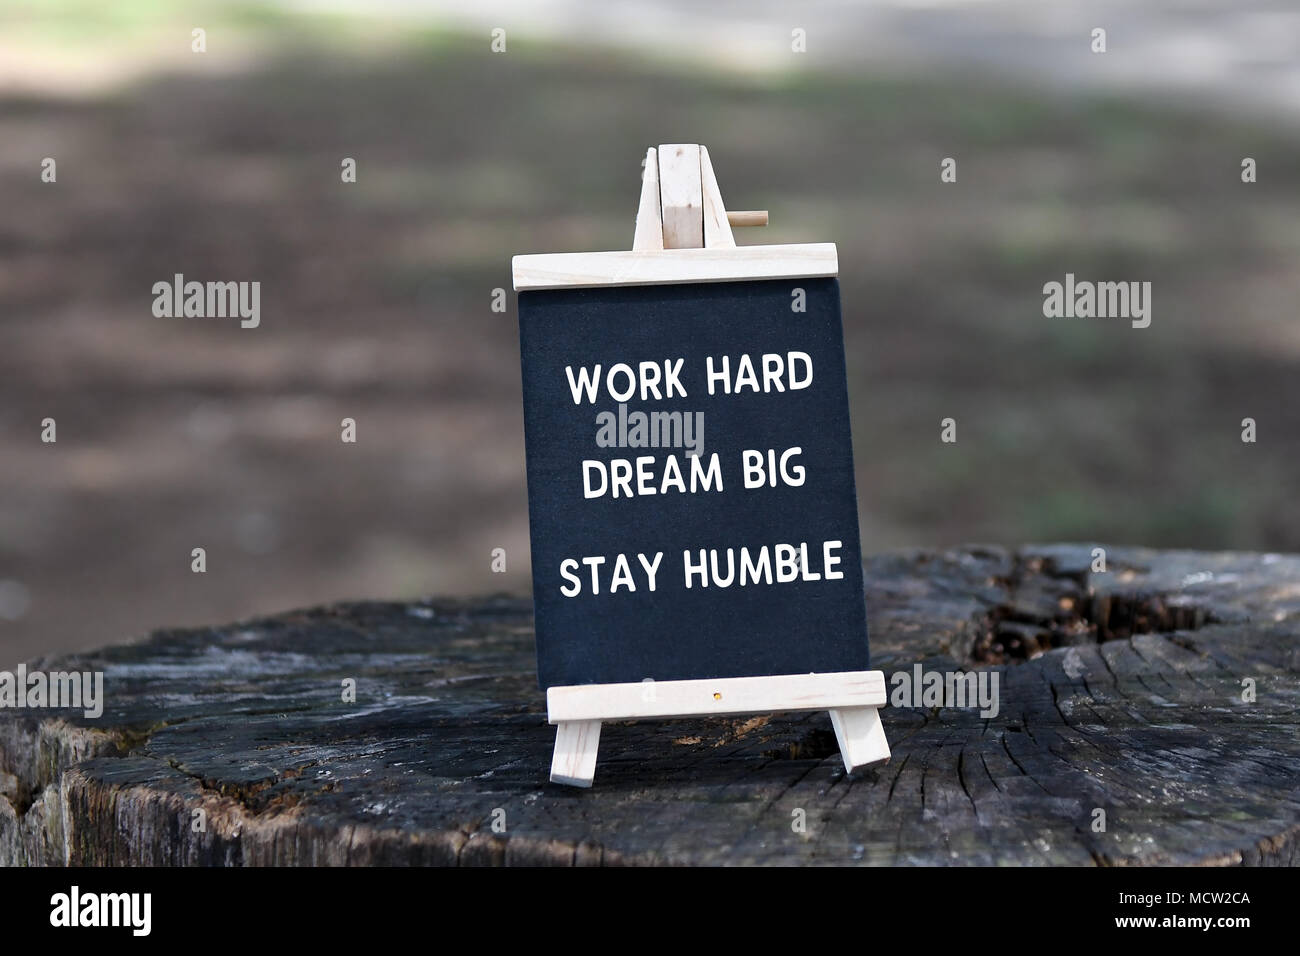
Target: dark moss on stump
[1120, 692]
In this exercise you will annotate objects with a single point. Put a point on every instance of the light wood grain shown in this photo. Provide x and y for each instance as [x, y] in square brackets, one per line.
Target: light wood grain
[574, 760]
[725, 695]
[717, 230]
[649, 234]
[861, 737]
[681, 198]
[747, 217]
[567, 270]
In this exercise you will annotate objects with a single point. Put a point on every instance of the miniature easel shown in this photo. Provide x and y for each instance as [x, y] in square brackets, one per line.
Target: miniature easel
[683, 233]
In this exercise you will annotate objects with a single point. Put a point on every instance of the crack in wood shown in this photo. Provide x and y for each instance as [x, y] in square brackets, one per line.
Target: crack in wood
[1046, 607]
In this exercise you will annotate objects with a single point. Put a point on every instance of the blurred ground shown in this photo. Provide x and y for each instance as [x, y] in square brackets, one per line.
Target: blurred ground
[175, 434]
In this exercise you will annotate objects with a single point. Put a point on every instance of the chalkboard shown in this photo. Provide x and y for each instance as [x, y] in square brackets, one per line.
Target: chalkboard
[718, 370]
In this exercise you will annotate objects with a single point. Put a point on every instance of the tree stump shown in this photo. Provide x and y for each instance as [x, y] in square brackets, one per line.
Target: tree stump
[1147, 715]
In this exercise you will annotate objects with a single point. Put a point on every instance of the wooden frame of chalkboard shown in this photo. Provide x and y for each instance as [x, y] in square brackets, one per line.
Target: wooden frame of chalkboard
[683, 235]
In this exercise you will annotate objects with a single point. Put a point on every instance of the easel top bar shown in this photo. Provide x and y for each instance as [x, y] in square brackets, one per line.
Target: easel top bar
[726, 695]
[683, 234]
[577, 270]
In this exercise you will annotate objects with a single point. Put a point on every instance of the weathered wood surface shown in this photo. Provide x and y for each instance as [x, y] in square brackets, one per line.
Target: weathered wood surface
[246, 722]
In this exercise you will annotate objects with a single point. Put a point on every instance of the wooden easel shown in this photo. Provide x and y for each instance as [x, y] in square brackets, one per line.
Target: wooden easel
[683, 234]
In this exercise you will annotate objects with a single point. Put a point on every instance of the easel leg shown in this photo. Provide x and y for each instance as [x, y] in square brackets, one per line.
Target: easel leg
[574, 760]
[861, 737]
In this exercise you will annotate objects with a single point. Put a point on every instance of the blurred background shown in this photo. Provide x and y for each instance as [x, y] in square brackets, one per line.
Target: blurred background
[376, 296]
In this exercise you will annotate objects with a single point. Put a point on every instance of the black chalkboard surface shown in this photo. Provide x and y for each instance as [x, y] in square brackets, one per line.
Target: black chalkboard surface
[638, 474]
